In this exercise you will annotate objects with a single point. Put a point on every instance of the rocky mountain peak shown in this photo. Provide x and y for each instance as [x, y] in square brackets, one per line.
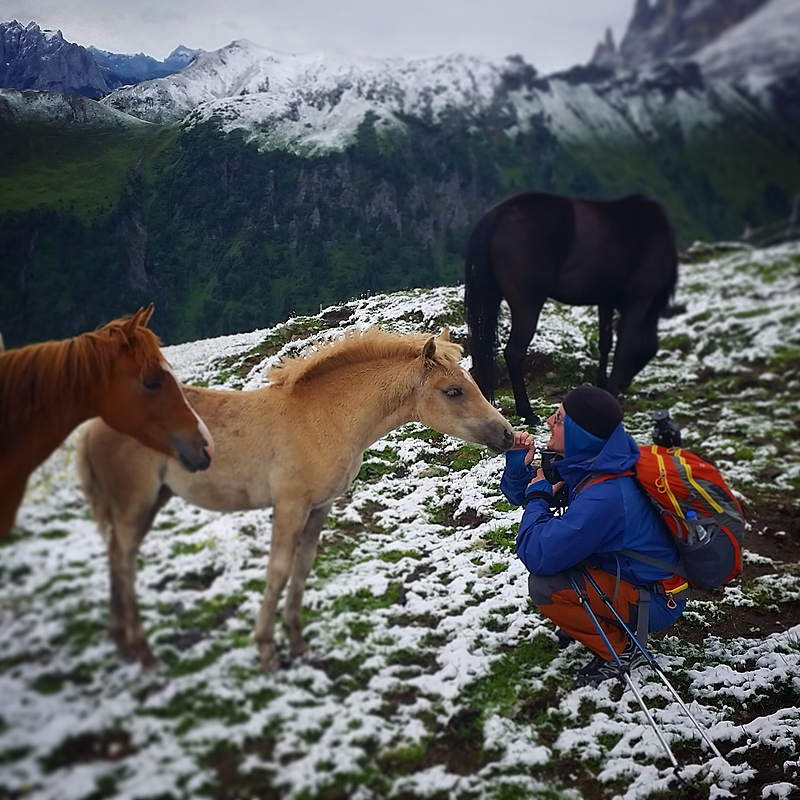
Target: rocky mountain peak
[31, 58]
[668, 29]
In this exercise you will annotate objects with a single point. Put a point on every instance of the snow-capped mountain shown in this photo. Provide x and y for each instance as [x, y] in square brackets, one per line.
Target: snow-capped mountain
[763, 48]
[751, 43]
[54, 107]
[315, 103]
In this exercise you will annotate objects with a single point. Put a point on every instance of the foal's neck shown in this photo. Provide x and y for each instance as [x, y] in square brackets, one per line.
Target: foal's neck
[372, 402]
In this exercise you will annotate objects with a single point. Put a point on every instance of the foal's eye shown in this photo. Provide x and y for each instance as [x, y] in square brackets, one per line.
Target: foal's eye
[152, 384]
[453, 391]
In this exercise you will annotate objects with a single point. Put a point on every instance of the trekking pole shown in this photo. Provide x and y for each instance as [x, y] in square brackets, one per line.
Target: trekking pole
[652, 663]
[625, 673]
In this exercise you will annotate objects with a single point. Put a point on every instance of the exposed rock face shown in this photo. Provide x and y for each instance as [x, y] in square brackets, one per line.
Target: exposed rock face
[124, 70]
[31, 58]
[670, 29]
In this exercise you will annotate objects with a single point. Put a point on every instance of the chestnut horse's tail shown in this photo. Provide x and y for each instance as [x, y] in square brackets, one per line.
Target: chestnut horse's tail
[482, 298]
[101, 511]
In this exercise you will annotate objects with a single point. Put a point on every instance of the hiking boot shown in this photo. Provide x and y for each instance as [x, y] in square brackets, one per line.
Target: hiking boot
[564, 639]
[599, 669]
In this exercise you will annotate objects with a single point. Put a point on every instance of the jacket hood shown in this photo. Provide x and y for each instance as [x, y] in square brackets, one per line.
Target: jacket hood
[585, 452]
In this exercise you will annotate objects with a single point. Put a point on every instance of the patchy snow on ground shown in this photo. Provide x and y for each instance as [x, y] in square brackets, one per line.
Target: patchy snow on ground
[430, 674]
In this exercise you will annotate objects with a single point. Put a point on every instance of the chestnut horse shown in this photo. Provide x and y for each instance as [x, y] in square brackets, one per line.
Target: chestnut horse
[295, 444]
[615, 254]
[117, 372]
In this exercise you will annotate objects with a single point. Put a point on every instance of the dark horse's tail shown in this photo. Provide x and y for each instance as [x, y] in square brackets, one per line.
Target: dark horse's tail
[482, 298]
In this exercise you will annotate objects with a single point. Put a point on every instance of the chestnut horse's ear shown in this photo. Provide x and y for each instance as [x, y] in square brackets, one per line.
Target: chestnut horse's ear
[145, 314]
[444, 336]
[429, 351]
[140, 318]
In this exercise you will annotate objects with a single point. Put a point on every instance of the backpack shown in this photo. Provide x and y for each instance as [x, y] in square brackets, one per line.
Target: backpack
[699, 510]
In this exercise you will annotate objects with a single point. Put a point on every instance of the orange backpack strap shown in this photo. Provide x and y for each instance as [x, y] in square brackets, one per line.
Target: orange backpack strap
[599, 477]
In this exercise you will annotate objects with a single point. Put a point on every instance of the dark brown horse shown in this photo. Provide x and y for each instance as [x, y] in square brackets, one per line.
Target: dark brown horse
[616, 254]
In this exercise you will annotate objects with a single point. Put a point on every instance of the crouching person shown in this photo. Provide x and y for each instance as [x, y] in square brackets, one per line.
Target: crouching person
[608, 522]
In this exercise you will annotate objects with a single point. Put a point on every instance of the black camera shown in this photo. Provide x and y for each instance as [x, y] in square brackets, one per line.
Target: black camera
[665, 432]
[561, 496]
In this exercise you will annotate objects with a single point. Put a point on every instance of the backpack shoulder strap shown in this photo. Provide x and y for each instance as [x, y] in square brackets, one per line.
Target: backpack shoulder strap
[599, 477]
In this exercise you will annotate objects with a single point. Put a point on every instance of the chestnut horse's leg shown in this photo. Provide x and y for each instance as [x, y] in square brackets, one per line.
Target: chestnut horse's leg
[303, 561]
[288, 521]
[12, 490]
[606, 336]
[524, 319]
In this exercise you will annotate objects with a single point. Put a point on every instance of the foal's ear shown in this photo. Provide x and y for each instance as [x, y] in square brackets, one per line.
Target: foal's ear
[444, 336]
[429, 351]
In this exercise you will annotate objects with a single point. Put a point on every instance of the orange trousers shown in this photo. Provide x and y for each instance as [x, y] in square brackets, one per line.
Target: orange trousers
[558, 601]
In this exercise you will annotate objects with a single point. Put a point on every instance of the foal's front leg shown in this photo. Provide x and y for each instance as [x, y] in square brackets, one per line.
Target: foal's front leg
[304, 555]
[288, 521]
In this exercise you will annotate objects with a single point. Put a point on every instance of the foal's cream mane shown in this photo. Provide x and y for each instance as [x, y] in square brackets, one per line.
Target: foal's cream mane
[360, 347]
[55, 374]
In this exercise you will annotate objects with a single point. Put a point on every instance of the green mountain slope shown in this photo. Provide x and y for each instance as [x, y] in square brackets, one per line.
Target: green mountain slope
[225, 238]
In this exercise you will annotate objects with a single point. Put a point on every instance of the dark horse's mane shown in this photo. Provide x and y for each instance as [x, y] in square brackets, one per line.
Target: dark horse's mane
[55, 374]
[615, 254]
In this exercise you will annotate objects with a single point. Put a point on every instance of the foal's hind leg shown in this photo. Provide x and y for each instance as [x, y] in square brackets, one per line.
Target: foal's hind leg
[304, 556]
[288, 521]
[524, 319]
[125, 626]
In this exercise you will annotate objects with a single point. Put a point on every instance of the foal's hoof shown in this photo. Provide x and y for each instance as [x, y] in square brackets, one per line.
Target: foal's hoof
[269, 658]
[144, 656]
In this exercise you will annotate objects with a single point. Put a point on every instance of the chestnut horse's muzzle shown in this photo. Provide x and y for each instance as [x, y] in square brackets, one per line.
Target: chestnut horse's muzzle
[192, 457]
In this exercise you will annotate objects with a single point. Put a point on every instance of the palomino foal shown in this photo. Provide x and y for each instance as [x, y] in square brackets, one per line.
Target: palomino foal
[295, 444]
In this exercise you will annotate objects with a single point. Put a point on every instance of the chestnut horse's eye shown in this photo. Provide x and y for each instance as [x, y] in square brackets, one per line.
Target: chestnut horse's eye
[453, 391]
[152, 384]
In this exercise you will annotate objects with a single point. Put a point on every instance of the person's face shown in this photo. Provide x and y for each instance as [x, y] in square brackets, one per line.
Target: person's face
[556, 424]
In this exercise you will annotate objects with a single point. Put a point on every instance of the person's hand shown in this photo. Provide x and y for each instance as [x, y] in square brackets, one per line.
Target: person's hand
[524, 441]
[540, 476]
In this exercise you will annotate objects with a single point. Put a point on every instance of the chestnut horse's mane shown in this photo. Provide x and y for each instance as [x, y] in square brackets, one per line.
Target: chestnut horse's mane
[358, 347]
[54, 375]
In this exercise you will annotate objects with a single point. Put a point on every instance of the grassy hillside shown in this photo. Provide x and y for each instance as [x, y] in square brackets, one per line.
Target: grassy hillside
[72, 170]
[224, 238]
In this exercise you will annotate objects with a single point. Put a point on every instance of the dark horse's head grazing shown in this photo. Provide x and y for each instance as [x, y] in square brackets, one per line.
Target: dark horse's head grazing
[617, 254]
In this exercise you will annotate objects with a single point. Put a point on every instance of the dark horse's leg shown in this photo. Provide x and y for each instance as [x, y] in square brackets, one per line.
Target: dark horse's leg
[524, 319]
[637, 343]
[606, 331]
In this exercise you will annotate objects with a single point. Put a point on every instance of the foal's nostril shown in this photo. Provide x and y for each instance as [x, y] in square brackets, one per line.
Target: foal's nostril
[508, 438]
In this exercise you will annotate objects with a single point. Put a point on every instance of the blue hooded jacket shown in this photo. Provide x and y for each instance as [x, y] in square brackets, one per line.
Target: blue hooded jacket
[603, 519]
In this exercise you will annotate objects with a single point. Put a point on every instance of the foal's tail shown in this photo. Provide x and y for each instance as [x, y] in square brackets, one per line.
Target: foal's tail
[482, 298]
[101, 511]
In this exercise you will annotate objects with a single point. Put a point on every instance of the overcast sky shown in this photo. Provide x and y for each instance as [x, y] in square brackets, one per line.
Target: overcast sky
[550, 34]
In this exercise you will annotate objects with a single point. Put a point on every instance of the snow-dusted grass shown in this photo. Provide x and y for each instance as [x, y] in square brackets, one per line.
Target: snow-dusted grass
[430, 674]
